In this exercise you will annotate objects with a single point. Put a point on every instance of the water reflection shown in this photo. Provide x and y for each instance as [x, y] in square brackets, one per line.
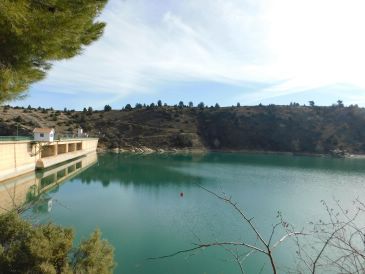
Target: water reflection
[147, 170]
[163, 169]
[142, 214]
[289, 161]
[34, 185]
[150, 171]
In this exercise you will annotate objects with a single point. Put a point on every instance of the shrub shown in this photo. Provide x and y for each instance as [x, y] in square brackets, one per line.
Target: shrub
[183, 140]
[107, 108]
[201, 105]
[47, 248]
[18, 119]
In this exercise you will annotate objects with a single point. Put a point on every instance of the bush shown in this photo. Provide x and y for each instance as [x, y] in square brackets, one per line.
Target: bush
[183, 140]
[201, 105]
[107, 108]
[18, 119]
[47, 248]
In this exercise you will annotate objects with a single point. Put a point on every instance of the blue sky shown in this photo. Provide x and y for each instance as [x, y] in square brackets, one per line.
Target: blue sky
[225, 51]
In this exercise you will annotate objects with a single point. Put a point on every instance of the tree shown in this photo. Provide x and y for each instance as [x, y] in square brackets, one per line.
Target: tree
[311, 103]
[263, 246]
[159, 103]
[201, 105]
[39, 32]
[191, 104]
[47, 248]
[335, 244]
[181, 104]
[340, 103]
[107, 108]
[238, 105]
[84, 110]
[128, 107]
[217, 105]
[94, 256]
[138, 106]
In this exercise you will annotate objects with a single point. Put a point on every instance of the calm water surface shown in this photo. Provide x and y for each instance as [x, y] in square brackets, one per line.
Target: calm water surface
[135, 201]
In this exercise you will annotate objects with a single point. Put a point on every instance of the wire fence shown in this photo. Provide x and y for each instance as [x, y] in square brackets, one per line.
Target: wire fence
[16, 138]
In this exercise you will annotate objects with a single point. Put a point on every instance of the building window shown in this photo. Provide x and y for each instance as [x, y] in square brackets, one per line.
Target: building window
[41, 135]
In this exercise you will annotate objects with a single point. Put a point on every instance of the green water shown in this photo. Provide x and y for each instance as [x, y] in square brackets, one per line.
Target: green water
[135, 201]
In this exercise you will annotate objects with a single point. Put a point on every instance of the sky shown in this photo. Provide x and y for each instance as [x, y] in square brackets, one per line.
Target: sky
[225, 51]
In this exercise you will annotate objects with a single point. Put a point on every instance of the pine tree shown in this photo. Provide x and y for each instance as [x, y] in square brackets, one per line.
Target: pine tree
[48, 248]
[36, 32]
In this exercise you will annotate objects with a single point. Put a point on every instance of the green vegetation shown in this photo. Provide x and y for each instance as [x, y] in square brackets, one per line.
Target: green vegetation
[293, 128]
[37, 32]
[107, 108]
[25, 248]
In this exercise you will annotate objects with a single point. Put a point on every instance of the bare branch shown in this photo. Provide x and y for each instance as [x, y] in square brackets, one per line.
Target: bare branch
[205, 245]
[282, 239]
[243, 215]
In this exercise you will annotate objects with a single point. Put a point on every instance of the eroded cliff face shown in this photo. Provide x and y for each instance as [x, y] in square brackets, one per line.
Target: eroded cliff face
[263, 128]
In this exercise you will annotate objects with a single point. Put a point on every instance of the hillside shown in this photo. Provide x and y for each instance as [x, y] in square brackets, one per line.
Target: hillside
[263, 128]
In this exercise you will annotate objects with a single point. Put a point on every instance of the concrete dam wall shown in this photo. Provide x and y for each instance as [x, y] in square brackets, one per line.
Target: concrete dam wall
[22, 189]
[20, 157]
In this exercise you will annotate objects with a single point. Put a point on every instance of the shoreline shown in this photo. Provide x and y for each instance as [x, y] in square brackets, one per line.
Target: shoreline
[147, 150]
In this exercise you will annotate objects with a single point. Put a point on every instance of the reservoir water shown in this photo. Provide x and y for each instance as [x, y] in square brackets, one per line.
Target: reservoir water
[152, 205]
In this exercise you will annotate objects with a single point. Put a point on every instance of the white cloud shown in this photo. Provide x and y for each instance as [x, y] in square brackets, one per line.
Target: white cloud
[300, 44]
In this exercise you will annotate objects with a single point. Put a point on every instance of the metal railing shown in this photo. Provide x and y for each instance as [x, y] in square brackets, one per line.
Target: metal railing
[16, 138]
[31, 138]
[66, 137]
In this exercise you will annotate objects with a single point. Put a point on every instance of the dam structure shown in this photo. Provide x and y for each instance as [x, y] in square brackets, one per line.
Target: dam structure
[20, 155]
[25, 188]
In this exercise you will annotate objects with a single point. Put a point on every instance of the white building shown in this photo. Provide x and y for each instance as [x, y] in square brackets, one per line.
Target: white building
[44, 134]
